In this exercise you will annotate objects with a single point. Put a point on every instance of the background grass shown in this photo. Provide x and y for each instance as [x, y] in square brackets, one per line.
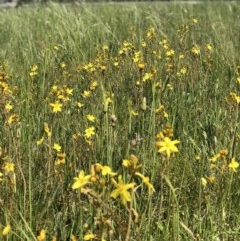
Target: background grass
[200, 112]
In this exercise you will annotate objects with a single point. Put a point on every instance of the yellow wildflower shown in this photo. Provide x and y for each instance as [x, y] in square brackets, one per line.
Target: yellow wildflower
[12, 118]
[79, 105]
[91, 118]
[238, 80]
[211, 179]
[86, 94]
[63, 65]
[141, 66]
[194, 20]
[46, 129]
[146, 181]
[57, 147]
[6, 230]
[81, 181]
[183, 70]
[167, 145]
[144, 44]
[122, 190]
[60, 159]
[8, 107]
[208, 47]
[42, 235]
[134, 113]
[204, 181]
[106, 170]
[33, 71]
[147, 76]
[73, 238]
[131, 162]
[39, 142]
[69, 91]
[181, 56]
[57, 107]
[223, 153]
[195, 50]
[93, 85]
[88, 236]
[170, 53]
[8, 167]
[214, 158]
[89, 132]
[54, 238]
[105, 47]
[233, 165]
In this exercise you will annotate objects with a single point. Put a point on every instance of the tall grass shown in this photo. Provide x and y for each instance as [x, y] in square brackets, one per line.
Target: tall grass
[143, 72]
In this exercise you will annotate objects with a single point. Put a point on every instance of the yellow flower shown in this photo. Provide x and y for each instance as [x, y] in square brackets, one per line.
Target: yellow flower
[91, 118]
[46, 129]
[57, 107]
[194, 20]
[1, 175]
[195, 50]
[42, 235]
[170, 53]
[79, 105]
[81, 181]
[8, 167]
[238, 80]
[54, 238]
[122, 190]
[106, 170]
[39, 142]
[183, 70]
[141, 65]
[146, 181]
[181, 56]
[89, 132]
[6, 230]
[34, 67]
[88, 236]
[93, 85]
[69, 91]
[147, 76]
[167, 145]
[86, 94]
[103, 67]
[12, 118]
[208, 47]
[211, 179]
[63, 65]
[233, 164]
[144, 44]
[57, 147]
[134, 113]
[73, 238]
[105, 47]
[33, 70]
[204, 182]
[8, 107]
[131, 162]
[60, 159]
[214, 158]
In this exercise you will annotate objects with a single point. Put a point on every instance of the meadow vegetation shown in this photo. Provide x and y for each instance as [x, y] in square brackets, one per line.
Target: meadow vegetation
[120, 122]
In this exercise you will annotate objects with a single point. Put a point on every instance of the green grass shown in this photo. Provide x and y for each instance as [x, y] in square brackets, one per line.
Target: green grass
[199, 108]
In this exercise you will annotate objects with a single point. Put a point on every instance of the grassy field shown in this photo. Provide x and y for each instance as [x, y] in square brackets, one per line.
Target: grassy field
[120, 122]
